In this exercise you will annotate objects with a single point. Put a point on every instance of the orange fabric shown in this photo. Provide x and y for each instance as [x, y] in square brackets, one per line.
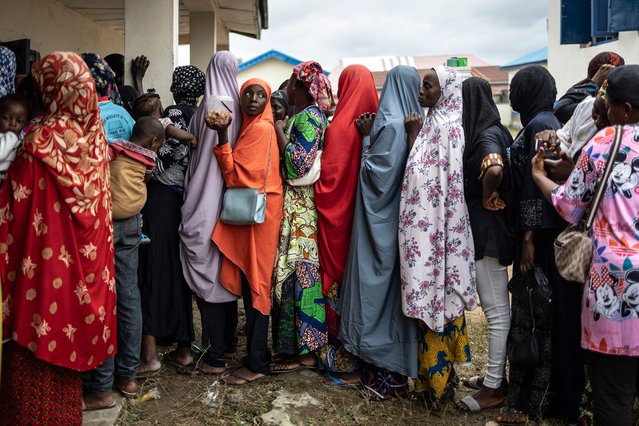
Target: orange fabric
[251, 248]
[335, 190]
[56, 234]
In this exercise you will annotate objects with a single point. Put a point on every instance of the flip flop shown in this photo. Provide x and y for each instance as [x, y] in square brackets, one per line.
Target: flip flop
[473, 382]
[171, 358]
[87, 407]
[288, 366]
[148, 374]
[471, 404]
[512, 412]
[339, 382]
[195, 370]
[245, 380]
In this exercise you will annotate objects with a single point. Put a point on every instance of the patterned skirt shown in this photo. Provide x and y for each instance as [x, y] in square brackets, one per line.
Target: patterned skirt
[299, 316]
[438, 352]
[34, 392]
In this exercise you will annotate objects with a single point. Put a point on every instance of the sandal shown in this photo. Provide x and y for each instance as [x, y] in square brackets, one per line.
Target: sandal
[512, 417]
[475, 382]
[92, 402]
[240, 379]
[171, 358]
[470, 404]
[197, 370]
[336, 381]
[286, 366]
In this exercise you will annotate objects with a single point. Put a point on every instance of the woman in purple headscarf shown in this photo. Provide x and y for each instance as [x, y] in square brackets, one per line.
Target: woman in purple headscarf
[203, 191]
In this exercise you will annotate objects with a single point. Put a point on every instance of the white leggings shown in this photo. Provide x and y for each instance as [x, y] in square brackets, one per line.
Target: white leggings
[492, 285]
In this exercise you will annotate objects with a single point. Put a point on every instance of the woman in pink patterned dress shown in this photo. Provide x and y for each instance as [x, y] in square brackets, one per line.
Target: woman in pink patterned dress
[610, 303]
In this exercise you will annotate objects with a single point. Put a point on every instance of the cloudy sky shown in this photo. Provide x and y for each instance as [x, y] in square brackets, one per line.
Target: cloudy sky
[496, 31]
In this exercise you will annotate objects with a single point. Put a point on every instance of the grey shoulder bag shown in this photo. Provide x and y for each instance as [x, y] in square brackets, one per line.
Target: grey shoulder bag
[246, 206]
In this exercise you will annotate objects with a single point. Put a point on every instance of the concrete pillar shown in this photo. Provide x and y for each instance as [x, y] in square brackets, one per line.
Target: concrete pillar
[151, 29]
[202, 39]
[222, 39]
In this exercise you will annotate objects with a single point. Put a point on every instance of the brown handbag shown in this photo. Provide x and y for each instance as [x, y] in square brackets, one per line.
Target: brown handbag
[573, 247]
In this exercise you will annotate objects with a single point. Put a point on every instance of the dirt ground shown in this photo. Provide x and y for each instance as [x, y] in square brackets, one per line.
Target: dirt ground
[182, 399]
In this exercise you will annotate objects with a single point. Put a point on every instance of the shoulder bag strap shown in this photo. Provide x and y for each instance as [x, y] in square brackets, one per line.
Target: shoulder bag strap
[601, 186]
[268, 162]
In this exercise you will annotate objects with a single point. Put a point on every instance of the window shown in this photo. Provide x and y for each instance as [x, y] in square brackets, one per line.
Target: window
[597, 21]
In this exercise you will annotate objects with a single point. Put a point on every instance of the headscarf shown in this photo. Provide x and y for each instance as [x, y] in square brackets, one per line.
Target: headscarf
[480, 111]
[282, 98]
[436, 245]
[188, 82]
[623, 84]
[601, 59]
[56, 234]
[335, 190]
[7, 71]
[532, 90]
[252, 249]
[104, 77]
[311, 74]
[204, 186]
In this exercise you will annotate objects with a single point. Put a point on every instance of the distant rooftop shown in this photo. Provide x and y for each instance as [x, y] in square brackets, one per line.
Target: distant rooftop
[537, 57]
[271, 54]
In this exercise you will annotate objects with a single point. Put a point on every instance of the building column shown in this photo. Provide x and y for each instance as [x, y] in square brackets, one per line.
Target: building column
[151, 29]
[202, 40]
[222, 39]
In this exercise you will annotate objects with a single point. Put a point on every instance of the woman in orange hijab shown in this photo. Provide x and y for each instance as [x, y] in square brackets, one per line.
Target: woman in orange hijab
[249, 250]
[335, 200]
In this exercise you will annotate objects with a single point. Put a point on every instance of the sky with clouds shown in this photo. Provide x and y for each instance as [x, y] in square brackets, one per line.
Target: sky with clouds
[496, 31]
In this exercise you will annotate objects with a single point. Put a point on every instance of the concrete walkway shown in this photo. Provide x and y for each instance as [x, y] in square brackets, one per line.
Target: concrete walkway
[104, 417]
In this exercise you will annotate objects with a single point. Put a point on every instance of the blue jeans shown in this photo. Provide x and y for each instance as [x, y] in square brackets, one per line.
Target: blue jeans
[126, 238]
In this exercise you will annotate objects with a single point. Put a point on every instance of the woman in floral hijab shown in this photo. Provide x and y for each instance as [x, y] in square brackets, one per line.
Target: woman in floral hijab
[104, 77]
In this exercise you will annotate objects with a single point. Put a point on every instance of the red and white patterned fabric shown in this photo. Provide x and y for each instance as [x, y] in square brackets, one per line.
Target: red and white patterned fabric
[56, 233]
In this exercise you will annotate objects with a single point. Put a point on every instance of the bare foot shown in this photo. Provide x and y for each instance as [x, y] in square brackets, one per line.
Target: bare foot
[201, 368]
[308, 360]
[243, 376]
[183, 354]
[97, 401]
[353, 378]
[149, 368]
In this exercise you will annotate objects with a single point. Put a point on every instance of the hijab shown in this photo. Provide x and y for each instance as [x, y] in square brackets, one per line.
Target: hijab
[188, 82]
[7, 71]
[336, 189]
[60, 204]
[479, 111]
[104, 77]
[282, 98]
[204, 186]
[532, 90]
[311, 74]
[249, 122]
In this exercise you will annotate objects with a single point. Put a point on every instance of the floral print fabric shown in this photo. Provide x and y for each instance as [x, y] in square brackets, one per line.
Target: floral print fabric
[104, 77]
[610, 306]
[312, 75]
[56, 234]
[437, 263]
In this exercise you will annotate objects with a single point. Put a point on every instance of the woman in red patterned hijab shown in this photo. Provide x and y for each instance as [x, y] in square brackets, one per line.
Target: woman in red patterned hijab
[56, 252]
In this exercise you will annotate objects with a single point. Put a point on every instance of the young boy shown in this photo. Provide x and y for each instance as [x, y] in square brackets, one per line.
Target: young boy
[149, 105]
[14, 112]
[131, 166]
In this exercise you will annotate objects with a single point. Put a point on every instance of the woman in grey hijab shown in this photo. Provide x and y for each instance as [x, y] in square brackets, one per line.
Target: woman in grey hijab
[372, 324]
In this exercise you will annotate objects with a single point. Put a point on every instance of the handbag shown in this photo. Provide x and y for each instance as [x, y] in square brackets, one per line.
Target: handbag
[573, 246]
[246, 206]
[313, 174]
[528, 352]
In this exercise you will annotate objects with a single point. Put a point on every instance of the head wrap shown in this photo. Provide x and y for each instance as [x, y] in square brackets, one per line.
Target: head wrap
[104, 77]
[623, 84]
[188, 82]
[480, 111]
[532, 90]
[602, 59]
[311, 74]
[282, 98]
[7, 71]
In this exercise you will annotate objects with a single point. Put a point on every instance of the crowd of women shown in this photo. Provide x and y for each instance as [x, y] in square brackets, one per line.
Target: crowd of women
[383, 225]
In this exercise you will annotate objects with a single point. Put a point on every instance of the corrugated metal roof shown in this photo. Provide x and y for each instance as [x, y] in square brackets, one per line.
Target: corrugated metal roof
[537, 57]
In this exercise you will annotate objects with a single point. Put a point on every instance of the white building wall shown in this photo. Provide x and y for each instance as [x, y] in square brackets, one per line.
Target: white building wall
[273, 71]
[569, 63]
[52, 27]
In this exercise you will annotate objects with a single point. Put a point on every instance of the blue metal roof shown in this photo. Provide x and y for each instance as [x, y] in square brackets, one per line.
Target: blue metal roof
[268, 55]
[537, 57]
[271, 54]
